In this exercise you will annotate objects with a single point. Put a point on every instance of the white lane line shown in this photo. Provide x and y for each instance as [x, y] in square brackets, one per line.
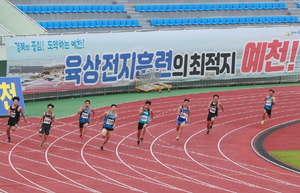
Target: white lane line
[254, 149]
[47, 160]
[236, 163]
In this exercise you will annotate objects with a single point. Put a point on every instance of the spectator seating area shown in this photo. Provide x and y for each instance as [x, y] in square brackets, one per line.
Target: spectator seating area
[210, 7]
[89, 23]
[223, 20]
[70, 8]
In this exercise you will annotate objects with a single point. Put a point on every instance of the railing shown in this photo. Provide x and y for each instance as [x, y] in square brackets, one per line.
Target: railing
[175, 85]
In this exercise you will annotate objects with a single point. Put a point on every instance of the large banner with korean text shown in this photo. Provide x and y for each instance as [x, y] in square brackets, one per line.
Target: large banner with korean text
[81, 61]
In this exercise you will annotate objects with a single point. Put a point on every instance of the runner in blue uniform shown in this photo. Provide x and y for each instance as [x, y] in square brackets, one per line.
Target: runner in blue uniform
[46, 121]
[146, 114]
[213, 110]
[183, 114]
[84, 117]
[269, 101]
[14, 112]
[109, 124]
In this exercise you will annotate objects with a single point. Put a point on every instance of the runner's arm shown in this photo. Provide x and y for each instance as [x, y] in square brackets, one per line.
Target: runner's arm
[80, 110]
[53, 118]
[141, 111]
[273, 100]
[220, 105]
[115, 123]
[22, 113]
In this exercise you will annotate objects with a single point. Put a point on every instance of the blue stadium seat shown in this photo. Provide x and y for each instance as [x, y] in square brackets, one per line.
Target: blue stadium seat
[197, 7]
[178, 21]
[203, 21]
[104, 23]
[153, 22]
[276, 19]
[249, 20]
[262, 6]
[229, 20]
[184, 7]
[242, 20]
[216, 21]
[250, 5]
[56, 9]
[138, 8]
[62, 24]
[117, 23]
[157, 7]
[136, 23]
[282, 5]
[223, 20]
[50, 24]
[88, 8]
[120, 8]
[209, 7]
[269, 5]
[44, 24]
[159, 22]
[86, 23]
[166, 21]
[80, 24]
[107, 8]
[191, 21]
[101, 8]
[111, 23]
[295, 19]
[69, 24]
[70, 9]
[282, 19]
[223, 6]
[171, 7]
[269, 19]
[262, 19]
[209, 21]
[63, 8]
[164, 8]
[275, 5]
[24, 8]
[74, 24]
[129, 22]
[236, 20]
[177, 7]
[37, 9]
[19, 7]
[216, 6]
[191, 7]
[31, 9]
[92, 23]
[98, 23]
[243, 6]
[173, 22]
[185, 21]
[82, 8]
[255, 19]
[122, 23]
[76, 9]
[203, 7]
[255, 5]
[55, 24]
[151, 8]
[229, 6]
[113, 8]
[236, 6]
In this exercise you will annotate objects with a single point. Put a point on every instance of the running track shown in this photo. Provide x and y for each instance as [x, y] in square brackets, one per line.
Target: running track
[222, 161]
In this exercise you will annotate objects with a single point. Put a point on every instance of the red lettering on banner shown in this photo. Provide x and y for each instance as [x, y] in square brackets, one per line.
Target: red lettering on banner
[253, 57]
[269, 56]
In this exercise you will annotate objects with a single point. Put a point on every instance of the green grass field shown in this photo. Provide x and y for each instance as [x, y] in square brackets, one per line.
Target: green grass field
[291, 157]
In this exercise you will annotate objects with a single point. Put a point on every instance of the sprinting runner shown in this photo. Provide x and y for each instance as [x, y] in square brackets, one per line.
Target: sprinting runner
[14, 112]
[146, 114]
[46, 120]
[109, 124]
[84, 117]
[269, 101]
[213, 108]
[183, 113]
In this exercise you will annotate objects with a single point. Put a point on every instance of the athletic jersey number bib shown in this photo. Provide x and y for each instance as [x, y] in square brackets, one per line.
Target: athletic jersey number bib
[47, 119]
[144, 118]
[213, 108]
[268, 103]
[183, 114]
[14, 113]
[109, 120]
[85, 116]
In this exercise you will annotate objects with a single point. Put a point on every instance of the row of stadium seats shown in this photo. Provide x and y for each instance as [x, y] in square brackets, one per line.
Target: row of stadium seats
[223, 20]
[70, 8]
[208, 7]
[89, 23]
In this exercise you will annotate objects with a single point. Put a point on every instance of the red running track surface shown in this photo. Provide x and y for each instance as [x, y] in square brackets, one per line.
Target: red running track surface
[222, 161]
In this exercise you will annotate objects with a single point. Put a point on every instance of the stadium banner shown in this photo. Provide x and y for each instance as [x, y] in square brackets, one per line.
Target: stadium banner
[9, 88]
[82, 61]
